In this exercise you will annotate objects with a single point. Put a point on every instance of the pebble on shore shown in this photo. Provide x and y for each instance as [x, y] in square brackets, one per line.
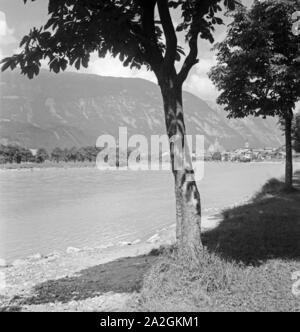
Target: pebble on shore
[3, 263]
[124, 244]
[72, 250]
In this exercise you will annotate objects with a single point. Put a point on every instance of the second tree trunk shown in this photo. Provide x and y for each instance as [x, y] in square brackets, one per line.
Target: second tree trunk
[289, 153]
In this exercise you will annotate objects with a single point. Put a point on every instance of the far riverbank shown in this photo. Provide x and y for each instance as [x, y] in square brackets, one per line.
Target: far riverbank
[92, 164]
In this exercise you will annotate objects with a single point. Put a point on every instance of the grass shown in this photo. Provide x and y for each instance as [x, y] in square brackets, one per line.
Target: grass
[213, 284]
[247, 264]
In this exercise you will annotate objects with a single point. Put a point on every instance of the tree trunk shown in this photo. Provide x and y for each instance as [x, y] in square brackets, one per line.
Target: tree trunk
[188, 206]
[289, 153]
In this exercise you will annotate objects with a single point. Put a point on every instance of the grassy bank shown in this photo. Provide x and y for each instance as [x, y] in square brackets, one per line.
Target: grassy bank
[247, 264]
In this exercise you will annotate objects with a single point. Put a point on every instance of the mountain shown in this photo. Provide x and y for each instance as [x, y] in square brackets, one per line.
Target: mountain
[73, 109]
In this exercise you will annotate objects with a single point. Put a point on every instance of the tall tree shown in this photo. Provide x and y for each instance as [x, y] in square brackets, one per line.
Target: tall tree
[258, 69]
[57, 155]
[139, 32]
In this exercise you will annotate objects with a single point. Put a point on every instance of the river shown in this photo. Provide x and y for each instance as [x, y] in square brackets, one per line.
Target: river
[48, 210]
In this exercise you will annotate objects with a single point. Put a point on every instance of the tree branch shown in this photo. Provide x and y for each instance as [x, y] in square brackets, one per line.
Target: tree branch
[170, 34]
[153, 53]
[191, 59]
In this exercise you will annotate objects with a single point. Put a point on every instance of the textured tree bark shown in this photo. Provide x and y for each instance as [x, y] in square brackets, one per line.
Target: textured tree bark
[289, 153]
[188, 205]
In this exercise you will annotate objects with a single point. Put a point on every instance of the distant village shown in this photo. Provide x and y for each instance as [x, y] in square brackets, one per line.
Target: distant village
[245, 154]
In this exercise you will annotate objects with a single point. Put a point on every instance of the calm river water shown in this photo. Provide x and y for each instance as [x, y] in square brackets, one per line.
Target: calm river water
[42, 211]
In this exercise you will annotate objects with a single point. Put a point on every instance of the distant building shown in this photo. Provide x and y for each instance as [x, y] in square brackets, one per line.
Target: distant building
[245, 154]
[207, 156]
[217, 156]
[226, 156]
[34, 151]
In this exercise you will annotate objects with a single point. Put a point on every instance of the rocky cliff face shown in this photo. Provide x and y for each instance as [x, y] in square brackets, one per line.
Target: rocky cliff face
[71, 109]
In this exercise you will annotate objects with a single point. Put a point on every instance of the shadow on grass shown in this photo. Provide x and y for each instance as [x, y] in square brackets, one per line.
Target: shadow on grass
[120, 276]
[267, 228]
[14, 308]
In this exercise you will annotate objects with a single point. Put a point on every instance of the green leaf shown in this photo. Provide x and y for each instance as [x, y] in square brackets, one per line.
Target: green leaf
[6, 63]
[77, 63]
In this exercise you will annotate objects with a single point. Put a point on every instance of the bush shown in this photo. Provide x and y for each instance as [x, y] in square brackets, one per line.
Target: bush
[273, 187]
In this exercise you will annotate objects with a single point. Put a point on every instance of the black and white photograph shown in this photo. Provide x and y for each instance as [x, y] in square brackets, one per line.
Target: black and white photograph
[149, 158]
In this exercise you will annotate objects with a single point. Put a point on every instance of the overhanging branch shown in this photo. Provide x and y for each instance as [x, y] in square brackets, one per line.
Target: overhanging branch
[170, 34]
[191, 59]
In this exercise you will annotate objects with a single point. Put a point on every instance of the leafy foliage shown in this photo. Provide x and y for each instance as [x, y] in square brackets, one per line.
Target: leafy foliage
[15, 154]
[127, 29]
[258, 71]
[41, 156]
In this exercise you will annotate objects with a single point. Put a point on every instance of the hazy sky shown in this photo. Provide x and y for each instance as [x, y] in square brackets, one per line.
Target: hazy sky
[16, 19]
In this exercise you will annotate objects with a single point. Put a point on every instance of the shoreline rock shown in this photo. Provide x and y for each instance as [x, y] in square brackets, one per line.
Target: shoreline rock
[52, 256]
[154, 239]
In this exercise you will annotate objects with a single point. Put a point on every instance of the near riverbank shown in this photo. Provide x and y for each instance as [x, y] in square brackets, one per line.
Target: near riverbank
[88, 279]
[252, 256]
